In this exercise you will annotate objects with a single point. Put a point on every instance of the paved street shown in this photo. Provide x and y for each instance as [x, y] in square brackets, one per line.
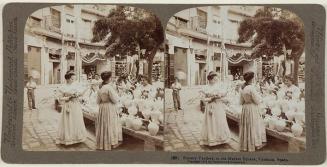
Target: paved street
[182, 130]
[40, 128]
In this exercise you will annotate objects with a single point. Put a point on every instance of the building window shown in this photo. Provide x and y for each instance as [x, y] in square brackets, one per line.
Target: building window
[55, 17]
[202, 18]
[70, 26]
[35, 22]
[200, 57]
[181, 22]
[216, 56]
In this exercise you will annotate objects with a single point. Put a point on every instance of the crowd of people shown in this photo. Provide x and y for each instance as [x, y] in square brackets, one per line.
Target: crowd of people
[250, 96]
[102, 96]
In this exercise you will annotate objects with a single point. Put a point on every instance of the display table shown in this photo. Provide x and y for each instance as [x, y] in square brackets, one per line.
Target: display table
[295, 144]
[151, 143]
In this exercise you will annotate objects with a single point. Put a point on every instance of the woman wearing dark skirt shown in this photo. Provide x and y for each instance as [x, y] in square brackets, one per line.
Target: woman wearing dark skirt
[108, 126]
[252, 128]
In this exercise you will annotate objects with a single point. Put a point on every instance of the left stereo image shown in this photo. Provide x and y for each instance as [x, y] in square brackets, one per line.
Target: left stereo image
[93, 79]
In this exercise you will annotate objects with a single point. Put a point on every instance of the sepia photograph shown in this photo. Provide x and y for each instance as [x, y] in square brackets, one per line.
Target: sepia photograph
[94, 79]
[234, 80]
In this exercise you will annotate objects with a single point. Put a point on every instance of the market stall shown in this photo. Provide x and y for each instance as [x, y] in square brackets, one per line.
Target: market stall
[141, 116]
[284, 118]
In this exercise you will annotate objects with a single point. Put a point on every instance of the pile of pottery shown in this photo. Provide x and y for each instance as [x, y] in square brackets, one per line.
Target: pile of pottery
[293, 114]
[280, 115]
[142, 111]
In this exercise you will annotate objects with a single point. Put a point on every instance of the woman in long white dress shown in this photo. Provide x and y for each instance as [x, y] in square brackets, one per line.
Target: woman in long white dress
[71, 125]
[108, 126]
[252, 128]
[215, 130]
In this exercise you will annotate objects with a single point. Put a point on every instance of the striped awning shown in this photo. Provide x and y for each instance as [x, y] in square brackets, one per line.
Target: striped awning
[238, 58]
[91, 57]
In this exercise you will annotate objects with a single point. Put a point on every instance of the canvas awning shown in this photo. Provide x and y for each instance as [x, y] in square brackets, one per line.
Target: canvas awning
[238, 58]
[91, 57]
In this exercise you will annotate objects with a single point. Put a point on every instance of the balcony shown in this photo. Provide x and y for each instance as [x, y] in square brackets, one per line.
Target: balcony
[195, 27]
[198, 24]
[52, 23]
[243, 10]
[94, 9]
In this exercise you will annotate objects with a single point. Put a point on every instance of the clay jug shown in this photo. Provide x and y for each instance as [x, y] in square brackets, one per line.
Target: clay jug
[129, 121]
[296, 129]
[280, 125]
[132, 110]
[137, 124]
[153, 128]
[272, 122]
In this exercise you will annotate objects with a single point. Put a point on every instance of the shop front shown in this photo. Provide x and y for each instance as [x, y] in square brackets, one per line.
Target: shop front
[239, 64]
[90, 63]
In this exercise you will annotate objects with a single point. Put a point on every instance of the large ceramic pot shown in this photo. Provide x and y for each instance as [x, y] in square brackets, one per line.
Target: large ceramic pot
[137, 124]
[296, 129]
[284, 105]
[127, 102]
[129, 121]
[266, 120]
[293, 104]
[158, 104]
[146, 114]
[137, 93]
[132, 110]
[262, 109]
[301, 106]
[155, 116]
[272, 122]
[290, 114]
[299, 118]
[141, 104]
[153, 128]
[276, 111]
[280, 125]
[149, 104]
[123, 120]
[161, 118]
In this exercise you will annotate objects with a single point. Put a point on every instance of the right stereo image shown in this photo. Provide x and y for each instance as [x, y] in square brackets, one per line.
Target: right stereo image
[234, 80]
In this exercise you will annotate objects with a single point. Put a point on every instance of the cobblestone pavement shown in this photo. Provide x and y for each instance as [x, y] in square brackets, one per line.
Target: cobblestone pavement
[40, 129]
[182, 128]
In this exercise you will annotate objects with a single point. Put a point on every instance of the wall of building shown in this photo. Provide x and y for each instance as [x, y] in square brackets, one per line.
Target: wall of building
[180, 62]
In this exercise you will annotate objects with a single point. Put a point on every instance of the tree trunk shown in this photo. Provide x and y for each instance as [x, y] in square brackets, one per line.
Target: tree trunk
[296, 60]
[137, 62]
[150, 58]
[150, 64]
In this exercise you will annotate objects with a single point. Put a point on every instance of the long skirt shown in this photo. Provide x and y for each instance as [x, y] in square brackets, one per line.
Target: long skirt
[71, 128]
[215, 130]
[108, 127]
[252, 128]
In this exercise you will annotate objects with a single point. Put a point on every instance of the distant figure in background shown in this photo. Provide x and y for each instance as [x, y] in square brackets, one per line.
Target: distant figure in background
[31, 86]
[294, 91]
[177, 87]
[147, 87]
[97, 77]
[108, 129]
[252, 128]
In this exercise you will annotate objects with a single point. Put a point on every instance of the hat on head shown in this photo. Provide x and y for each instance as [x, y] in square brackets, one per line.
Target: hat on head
[211, 75]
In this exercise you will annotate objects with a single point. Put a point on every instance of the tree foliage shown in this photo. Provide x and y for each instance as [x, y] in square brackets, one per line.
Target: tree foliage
[127, 30]
[270, 31]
